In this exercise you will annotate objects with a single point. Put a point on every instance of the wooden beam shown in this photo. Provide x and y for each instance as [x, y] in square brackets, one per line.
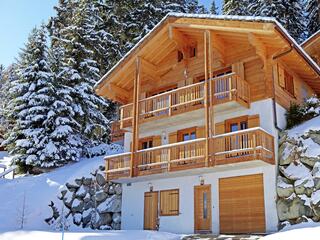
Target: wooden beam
[259, 46]
[150, 69]
[181, 41]
[218, 47]
[135, 120]
[206, 96]
[124, 94]
[223, 28]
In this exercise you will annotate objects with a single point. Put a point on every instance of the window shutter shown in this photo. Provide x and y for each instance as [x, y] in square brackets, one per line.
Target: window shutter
[173, 137]
[275, 73]
[157, 141]
[200, 132]
[169, 202]
[253, 121]
[281, 77]
[220, 128]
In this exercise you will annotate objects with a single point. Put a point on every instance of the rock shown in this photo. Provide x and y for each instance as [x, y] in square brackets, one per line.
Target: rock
[88, 205]
[77, 218]
[118, 189]
[86, 217]
[101, 196]
[316, 183]
[106, 227]
[111, 189]
[72, 187]
[62, 194]
[310, 161]
[105, 219]
[304, 186]
[86, 198]
[102, 168]
[315, 136]
[287, 153]
[100, 179]
[87, 181]
[81, 192]
[77, 206]
[79, 181]
[284, 188]
[112, 204]
[290, 209]
[295, 171]
[315, 202]
[116, 217]
[116, 226]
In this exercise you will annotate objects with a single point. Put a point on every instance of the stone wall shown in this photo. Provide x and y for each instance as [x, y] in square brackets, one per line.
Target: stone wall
[298, 183]
[88, 202]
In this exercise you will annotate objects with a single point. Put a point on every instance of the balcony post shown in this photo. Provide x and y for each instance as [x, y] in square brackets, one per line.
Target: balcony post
[135, 120]
[206, 97]
[211, 109]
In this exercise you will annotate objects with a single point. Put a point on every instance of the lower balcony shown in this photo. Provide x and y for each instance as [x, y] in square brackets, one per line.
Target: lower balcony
[235, 147]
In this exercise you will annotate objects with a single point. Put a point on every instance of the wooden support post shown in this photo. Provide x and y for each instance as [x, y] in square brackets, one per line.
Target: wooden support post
[170, 103]
[135, 119]
[121, 118]
[211, 93]
[206, 97]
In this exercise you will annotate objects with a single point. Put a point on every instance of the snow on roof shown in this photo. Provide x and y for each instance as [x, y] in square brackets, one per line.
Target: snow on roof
[214, 17]
[309, 38]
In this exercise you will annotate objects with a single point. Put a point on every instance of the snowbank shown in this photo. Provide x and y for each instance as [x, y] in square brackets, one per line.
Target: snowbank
[110, 235]
[306, 231]
[37, 191]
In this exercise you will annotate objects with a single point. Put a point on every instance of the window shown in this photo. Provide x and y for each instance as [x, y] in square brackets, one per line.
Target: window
[180, 56]
[192, 52]
[187, 134]
[169, 202]
[288, 81]
[237, 124]
[146, 143]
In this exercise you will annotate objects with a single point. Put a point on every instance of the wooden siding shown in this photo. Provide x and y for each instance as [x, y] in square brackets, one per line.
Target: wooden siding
[151, 210]
[241, 204]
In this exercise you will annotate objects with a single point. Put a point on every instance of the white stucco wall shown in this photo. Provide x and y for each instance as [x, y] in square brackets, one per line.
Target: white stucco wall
[133, 200]
[281, 116]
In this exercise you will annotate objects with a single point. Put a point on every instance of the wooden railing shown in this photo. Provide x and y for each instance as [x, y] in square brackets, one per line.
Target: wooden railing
[229, 88]
[244, 145]
[224, 89]
[241, 146]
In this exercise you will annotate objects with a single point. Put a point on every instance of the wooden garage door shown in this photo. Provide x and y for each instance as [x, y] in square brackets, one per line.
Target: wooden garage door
[241, 202]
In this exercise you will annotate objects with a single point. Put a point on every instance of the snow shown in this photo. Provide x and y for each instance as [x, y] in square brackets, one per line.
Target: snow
[38, 191]
[296, 172]
[304, 128]
[110, 235]
[315, 197]
[308, 230]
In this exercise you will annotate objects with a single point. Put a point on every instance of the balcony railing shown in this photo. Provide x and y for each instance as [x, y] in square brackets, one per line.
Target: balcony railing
[241, 146]
[224, 89]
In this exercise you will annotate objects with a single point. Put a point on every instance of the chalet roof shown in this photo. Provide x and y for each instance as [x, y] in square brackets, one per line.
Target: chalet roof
[228, 20]
[312, 38]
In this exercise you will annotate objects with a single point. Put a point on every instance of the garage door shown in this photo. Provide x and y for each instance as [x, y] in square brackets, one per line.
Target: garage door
[241, 202]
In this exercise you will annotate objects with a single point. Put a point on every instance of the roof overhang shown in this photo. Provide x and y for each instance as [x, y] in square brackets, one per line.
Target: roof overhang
[257, 26]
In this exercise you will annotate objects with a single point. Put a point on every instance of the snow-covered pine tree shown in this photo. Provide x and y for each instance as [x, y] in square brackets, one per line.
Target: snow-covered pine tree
[30, 100]
[213, 8]
[289, 13]
[79, 72]
[235, 7]
[313, 14]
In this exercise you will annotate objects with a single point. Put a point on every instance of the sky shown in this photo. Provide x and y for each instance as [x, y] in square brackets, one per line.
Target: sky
[18, 17]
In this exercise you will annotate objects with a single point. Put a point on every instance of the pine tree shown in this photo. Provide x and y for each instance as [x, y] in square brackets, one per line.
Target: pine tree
[235, 7]
[288, 13]
[313, 14]
[213, 8]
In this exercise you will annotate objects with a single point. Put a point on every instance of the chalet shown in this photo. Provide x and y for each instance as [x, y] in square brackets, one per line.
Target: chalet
[203, 98]
[312, 47]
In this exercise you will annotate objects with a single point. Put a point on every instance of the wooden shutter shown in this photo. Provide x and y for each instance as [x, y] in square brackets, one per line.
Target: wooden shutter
[157, 141]
[200, 132]
[281, 77]
[275, 73]
[220, 128]
[173, 137]
[169, 202]
[253, 121]
[238, 68]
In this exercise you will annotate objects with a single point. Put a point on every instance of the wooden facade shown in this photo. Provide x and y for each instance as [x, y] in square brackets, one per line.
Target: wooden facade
[189, 64]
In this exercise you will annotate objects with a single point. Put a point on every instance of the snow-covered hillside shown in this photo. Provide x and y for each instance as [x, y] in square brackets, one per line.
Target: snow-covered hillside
[37, 191]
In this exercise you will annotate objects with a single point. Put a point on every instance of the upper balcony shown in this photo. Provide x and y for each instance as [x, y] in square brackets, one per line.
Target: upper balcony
[253, 144]
[227, 92]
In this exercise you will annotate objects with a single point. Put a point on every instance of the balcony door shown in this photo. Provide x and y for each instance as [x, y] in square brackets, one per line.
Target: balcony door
[237, 142]
[189, 151]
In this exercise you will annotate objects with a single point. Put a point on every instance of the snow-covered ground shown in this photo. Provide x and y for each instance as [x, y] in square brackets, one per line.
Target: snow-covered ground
[100, 235]
[37, 191]
[306, 231]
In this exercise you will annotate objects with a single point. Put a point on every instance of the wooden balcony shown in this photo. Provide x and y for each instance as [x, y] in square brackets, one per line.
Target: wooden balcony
[117, 134]
[242, 146]
[227, 88]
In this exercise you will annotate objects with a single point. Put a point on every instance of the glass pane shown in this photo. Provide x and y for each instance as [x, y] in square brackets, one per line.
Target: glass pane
[234, 127]
[186, 137]
[205, 209]
[193, 135]
[144, 145]
[243, 125]
[150, 144]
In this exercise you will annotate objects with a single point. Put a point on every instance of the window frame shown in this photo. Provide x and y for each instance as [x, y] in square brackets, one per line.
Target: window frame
[189, 131]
